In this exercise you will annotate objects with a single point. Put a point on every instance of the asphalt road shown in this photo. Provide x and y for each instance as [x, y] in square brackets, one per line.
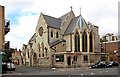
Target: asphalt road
[24, 70]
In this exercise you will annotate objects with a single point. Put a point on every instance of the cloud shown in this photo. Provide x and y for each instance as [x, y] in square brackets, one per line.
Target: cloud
[24, 15]
[20, 34]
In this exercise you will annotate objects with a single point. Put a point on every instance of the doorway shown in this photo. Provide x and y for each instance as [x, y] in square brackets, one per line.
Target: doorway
[34, 59]
[69, 61]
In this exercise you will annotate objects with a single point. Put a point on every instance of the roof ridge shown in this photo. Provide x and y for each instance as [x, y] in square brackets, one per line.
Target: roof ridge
[69, 24]
[51, 16]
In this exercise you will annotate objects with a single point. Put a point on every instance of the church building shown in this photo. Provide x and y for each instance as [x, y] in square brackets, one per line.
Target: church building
[63, 42]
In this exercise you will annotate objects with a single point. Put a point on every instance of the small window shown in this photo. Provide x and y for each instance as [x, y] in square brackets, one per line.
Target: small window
[57, 36]
[59, 58]
[39, 55]
[28, 54]
[42, 54]
[51, 33]
[46, 51]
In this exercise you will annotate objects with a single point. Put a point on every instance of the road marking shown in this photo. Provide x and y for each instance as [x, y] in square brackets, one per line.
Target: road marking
[53, 68]
[20, 73]
[81, 74]
[69, 76]
[100, 71]
[106, 71]
[62, 70]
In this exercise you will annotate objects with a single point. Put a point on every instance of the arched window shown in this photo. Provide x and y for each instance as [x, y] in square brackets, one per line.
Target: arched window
[77, 42]
[51, 33]
[42, 49]
[46, 52]
[39, 49]
[57, 36]
[90, 42]
[84, 42]
[28, 53]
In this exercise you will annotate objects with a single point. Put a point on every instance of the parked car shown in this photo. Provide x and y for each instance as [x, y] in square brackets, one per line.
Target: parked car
[4, 67]
[112, 64]
[99, 64]
[10, 67]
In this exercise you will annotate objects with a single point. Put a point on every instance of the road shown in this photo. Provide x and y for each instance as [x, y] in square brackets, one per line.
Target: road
[24, 70]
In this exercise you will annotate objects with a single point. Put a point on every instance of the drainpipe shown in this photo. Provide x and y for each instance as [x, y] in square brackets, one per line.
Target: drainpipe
[71, 41]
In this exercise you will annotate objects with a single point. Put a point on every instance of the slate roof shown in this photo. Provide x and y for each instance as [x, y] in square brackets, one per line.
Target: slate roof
[56, 22]
[32, 38]
[77, 21]
[72, 25]
[52, 22]
[63, 17]
[82, 21]
[56, 42]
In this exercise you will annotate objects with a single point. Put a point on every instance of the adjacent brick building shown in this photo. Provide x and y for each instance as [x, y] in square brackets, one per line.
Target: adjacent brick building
[2, 38]
[112, 48]
[4, 29]
[16, 56]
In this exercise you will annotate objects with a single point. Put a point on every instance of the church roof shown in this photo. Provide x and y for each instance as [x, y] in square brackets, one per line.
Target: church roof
[72, 25]
[56, 42]
[81, 21]
[77, 21]
[63, 17]
[32, 38]
[52, 22]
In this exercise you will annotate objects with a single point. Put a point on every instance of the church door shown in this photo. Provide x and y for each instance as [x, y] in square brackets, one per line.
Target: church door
[69, 61]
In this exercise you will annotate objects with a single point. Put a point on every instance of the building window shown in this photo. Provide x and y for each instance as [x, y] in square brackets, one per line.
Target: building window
[84, 42]
[39, 55]
[46, 51]
[42, 54]
[85, 58]
[57, 36]
[91, 42]
[42, 49]
[39, 49]
[40, 31]
[51, 33]
[77, 42]
[59, 58]
[28, 53]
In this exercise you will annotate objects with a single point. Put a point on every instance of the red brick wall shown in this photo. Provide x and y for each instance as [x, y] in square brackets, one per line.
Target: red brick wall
[110, 47]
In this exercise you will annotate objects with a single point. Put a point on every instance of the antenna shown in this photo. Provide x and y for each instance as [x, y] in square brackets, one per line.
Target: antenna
[71, 7]
[80, 10]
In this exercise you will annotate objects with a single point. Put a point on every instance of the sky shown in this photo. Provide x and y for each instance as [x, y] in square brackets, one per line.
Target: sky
[24, 14]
